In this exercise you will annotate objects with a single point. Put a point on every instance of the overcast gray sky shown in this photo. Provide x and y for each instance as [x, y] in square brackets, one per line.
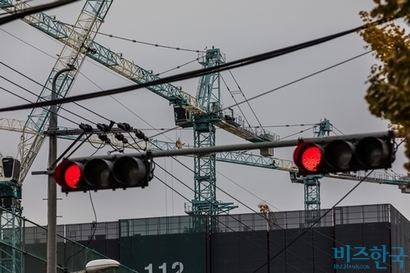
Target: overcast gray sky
[239, 29]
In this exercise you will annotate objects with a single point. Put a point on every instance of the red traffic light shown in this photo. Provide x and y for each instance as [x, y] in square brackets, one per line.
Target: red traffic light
[83, 174]
[308, 157]
[344, 156]
[68, 174]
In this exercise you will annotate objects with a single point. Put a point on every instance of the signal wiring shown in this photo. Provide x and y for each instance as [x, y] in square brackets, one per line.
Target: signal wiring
[94, 227]
[96, 148]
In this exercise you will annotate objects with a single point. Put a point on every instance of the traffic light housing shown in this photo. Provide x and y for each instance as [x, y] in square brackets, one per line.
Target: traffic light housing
[339, 155]
[100, 173]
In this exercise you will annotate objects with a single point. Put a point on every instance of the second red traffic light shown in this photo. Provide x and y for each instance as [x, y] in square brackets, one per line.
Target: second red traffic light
[343, 156]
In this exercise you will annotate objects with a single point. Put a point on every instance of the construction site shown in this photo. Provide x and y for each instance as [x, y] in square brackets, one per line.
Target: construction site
[211, 236]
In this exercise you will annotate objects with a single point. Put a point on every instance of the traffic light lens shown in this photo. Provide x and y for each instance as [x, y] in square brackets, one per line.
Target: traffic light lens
[372, 152]
[129, 171]
[311, 158]
[72, 176]
[97, 174]
[339, 155]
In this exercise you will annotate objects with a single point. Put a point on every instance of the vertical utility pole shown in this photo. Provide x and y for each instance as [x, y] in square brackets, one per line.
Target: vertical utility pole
[52, 191]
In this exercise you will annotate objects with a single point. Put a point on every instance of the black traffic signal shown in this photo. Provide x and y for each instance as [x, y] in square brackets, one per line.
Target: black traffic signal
[343, 156]
[98, 174]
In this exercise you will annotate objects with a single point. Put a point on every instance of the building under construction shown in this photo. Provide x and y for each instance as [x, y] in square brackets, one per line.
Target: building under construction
[369, 238]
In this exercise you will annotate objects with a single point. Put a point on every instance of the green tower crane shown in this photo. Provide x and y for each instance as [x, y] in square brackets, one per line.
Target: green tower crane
[77, 43]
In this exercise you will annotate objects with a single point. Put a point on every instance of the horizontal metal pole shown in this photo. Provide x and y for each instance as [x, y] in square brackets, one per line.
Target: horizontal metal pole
[249, 146]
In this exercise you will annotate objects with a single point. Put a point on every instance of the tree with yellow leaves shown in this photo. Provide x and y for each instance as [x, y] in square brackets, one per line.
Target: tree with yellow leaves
[388, 93]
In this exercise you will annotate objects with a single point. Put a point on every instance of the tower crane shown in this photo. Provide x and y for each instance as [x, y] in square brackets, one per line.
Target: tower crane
[77, 43]
[203, 112]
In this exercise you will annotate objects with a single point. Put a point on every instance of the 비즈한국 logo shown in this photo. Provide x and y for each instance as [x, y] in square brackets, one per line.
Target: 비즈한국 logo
[353, 257]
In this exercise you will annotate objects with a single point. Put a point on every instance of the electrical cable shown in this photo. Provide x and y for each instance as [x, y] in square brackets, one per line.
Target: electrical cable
[314, 223]
[188, 168]
[94, 226]
[263, 216]
[200, 72]
[116, 74]
[228, 227]
[43, 86]
[95, 147]
[275, 89]
[280, 87]
[32, 10]
[21, 40]
[135, 141]
[27, 100]
[110, 71]
[248, 191]
[301, 79]
[23, 98]
[237, 200]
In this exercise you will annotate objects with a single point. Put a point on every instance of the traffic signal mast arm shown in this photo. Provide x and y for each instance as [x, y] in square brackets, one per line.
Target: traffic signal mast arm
[162, 148]
[242, 158]
[255, 160]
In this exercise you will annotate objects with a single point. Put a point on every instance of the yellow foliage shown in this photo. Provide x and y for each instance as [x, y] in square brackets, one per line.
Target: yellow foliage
[388, 94]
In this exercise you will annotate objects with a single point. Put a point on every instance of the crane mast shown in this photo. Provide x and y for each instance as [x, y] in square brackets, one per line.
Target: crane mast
[205, 202]
[77, 43]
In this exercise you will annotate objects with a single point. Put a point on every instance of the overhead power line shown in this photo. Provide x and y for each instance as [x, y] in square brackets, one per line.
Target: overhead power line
[32, 10]
[196, 73]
